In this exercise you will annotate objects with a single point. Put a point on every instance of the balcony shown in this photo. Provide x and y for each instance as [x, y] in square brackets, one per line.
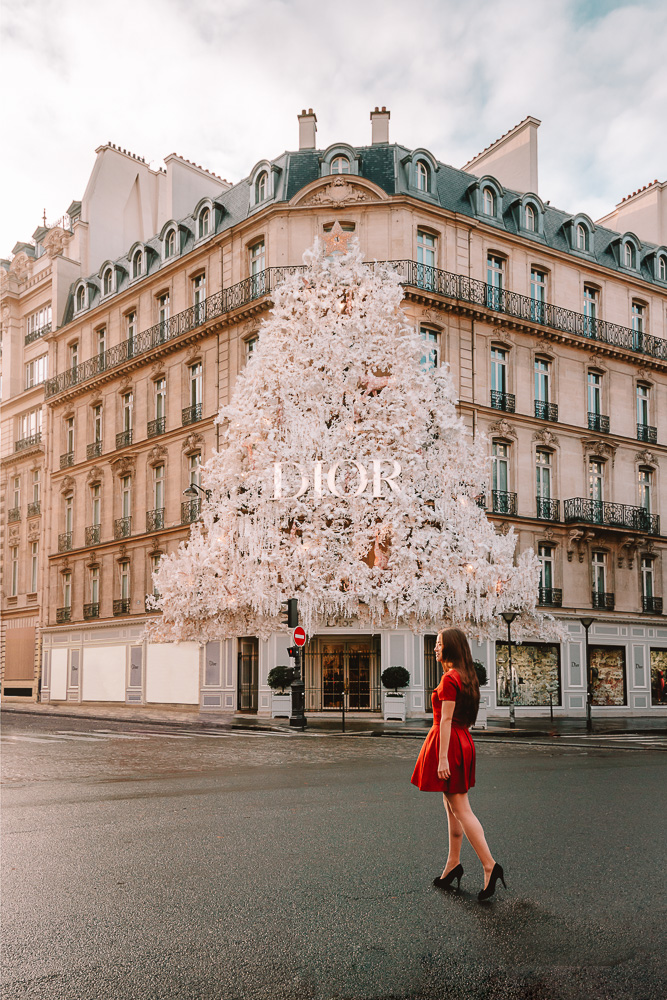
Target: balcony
[94, 450]
[156, 427]
[652, 605]
[191, 414]
[547, 509]
[602, 601]
[37, 334]
[65, 541]
[647, 433]
[28, 442]
[596, 422]
[14, 514]
[190, 510]
[503, 502]
[91, 610]
[546, 411]
[124, 439]
[122, 527]
[34, 508]
[549, 597]
[93, 534]
[502, 401]
[63, 615]
[66, 460]
[155, 519]
[611, 515]
[122, 607]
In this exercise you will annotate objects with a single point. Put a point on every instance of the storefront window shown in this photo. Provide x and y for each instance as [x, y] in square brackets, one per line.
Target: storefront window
[607, 664]
[536, 668]
[659, 676]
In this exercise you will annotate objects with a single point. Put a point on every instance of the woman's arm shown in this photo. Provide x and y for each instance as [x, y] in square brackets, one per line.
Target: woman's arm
[445, 732]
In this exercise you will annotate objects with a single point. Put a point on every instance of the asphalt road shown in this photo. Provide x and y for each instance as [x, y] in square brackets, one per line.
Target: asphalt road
[140, 862]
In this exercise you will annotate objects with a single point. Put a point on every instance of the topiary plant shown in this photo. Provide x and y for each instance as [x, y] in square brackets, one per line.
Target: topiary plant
[480, 670]
[395, 677]
[280, 677]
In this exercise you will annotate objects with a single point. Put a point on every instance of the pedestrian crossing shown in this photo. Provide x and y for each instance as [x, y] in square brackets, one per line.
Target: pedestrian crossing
[138, 735]
[647, 741]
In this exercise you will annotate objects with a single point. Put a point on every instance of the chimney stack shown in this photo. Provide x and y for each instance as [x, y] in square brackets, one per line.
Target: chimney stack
[307, 129]
[379, 126]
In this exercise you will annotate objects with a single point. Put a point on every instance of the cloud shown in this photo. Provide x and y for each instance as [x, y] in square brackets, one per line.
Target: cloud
[221, 82]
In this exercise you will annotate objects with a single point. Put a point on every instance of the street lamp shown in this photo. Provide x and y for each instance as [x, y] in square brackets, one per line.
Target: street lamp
[509, 617]
[587, 622]
[191, 492]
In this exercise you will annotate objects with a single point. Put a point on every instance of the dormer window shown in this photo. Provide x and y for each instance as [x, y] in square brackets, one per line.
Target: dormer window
[170, 244]
[529, 218]
[421, 176]
[204, 222]
[80, 298]
[488, 202]
[340, 165]
[107, 281]
[261, 186]
[662, 267]
[137, 264]
[582, 237]
[629, 255]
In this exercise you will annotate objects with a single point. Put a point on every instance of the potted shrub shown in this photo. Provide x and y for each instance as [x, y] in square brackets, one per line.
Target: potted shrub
[279, 680]
[480, 670]
[394, 701]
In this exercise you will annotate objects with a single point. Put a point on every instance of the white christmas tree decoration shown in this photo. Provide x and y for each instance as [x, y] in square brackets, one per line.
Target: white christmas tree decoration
[344, 478]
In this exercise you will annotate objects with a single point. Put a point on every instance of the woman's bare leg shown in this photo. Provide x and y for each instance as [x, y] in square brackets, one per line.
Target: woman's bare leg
[460, 807]
[455, 838]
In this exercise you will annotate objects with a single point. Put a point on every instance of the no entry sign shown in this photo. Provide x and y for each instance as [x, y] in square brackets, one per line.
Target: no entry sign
[299, 636]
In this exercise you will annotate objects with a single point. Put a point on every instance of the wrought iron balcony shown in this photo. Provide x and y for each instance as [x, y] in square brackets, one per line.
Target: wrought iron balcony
[94, 450]
[93, 534]
[547, 509]
[34, 508]
[124, 439]
[66, 460]
[546, 411]
[156, 427]
[64, 541]
[36, 334]
[190, 511]
[155, 519]
[611, 515]
[602, 601]
[502, 401]
[647, 433]
[28, 442]
[596, 422]
[122, 607]
[191, 414]
[122, 527]
[550, 597]
[91, 610]
[652, 605]
[63, 615]
[14, 514]
[503, 502]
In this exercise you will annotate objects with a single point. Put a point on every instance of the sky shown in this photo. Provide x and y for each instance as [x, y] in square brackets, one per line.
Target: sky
[222, 81]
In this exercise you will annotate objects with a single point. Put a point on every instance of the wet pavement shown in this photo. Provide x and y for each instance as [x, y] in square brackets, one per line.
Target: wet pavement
[153, 861]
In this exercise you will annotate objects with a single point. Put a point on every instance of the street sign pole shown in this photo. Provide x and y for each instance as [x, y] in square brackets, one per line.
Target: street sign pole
[298, 717]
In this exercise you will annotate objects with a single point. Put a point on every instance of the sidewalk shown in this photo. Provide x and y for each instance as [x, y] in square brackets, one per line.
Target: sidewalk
[526, 726]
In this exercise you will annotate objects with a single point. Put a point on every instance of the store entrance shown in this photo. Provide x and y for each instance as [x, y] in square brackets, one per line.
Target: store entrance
[337, 666]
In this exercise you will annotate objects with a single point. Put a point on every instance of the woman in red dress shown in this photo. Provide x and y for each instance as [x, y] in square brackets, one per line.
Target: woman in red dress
[446, 761]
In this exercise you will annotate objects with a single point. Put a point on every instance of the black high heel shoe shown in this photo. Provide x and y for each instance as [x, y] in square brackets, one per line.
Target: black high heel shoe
[446, 881]
[496, 874]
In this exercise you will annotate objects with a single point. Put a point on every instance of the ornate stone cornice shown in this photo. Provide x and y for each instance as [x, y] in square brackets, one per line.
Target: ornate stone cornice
[546, 437]
[503, 428]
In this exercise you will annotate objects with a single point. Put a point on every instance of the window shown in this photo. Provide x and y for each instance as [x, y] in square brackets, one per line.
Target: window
[80, 298]
[594, 393]
[590, 310]
[629, 255]
[199, 297]
[38, 323]
[599, 567]
[137, 263]
[97, 423]
[96, 504]
[30, 424]
[426, 248]
[249, 346]
[34, 566]
[340, 165]
[495, 279]
[126, 496]
[160, 398]
[67, 590]
[638, 321]
[131, 331]
[204, 222]
[595, 479]
[431, 359]
[647, 577]
[488, 201]
[170, 244]
[257, 258]
[16, 489]
[421, 176]
[36, 371]
[101, 342]
[545, 554]
[163, 315]
[36, 485]
[261, 186]
[95, 585]
[582, 237]
[529, 218]
[124, 572]
[196, 384]
[127, 406]
[538, 295]
[543, 475]
[499, 381]
[158, 487]
[500, 466]
[643, 399]
[74, 355]
[194, 469]
[107, 282]
[69, 435]
[662, 267]
[542, 380]
[645, 488]
[14, 581]
[69, 512]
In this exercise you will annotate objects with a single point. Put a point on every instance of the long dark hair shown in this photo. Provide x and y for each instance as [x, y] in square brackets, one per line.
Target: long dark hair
[456, 650]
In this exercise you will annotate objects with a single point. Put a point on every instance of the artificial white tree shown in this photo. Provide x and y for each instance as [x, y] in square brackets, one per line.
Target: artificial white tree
[344, 478]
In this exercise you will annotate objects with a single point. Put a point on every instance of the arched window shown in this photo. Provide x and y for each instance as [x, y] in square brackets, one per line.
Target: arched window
[488, 202]
[261, 186]
[170, 243]
[629, 255]
[422, 176]
[137, 264]
[80, 298]
[530, 218]
[582, 237]
[204, 222]
[340, 165]
[662, 268]
[108, 281]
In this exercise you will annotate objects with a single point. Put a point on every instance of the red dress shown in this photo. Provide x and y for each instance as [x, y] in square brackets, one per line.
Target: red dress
[461, 751]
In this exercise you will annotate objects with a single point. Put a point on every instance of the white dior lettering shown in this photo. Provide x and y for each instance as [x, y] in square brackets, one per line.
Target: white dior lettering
[278, 482]
[336, 488]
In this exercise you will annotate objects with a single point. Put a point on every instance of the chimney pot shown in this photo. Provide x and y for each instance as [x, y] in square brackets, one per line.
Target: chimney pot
[380, 126]
[307, 129]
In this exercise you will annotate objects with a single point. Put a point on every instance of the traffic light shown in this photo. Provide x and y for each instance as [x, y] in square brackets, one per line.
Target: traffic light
[292, 651]
[292, 619]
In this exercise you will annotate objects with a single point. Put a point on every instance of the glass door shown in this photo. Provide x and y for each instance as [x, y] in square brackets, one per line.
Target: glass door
[347, 665]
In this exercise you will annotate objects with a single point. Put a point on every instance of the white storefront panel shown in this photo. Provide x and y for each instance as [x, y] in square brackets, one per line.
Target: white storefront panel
[59, 675]
[104, 673]
[172, 673]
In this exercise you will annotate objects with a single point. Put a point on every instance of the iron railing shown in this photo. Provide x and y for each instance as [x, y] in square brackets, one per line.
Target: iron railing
[647, 433]
[14, 514]
[124, 439]
[191, 414]
[503, 502]
[64, 541]
[547, 509]
[34, 508]
[122, 607]
[596, 422]
[63, 615]
[91, 610]
[156, 427]
[602, 601]
[190, 511]
[503, 401]
[28, 442]
[546, 411]
[612, 515]
[66, 460]
[36, 334]
[155, 519]
[93, 534]
[451, 286]
[94, 450]
[122, 527]
[652, 605]
[550, 597]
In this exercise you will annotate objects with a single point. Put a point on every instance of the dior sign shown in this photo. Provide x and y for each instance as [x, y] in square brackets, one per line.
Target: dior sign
[345, 478]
